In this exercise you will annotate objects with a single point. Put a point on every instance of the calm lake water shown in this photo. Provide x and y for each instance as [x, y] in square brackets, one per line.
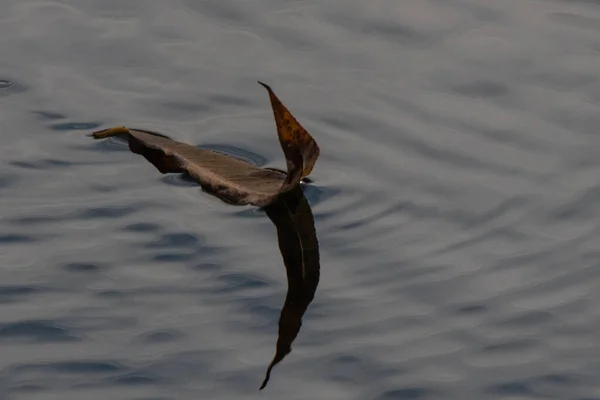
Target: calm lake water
[456, 201]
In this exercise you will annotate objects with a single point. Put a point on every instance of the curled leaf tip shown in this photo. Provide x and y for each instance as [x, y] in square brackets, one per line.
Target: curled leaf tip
[264, 85]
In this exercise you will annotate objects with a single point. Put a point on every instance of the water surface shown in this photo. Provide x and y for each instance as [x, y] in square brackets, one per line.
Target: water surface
[455, 201]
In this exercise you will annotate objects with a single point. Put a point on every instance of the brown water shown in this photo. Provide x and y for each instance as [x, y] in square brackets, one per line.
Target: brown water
[456, 199]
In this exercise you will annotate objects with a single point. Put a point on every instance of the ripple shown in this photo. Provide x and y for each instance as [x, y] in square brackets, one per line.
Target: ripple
[111, 294]
[89, 322]
[157, 398]
[558, 379]
[102, 188]
[114, 143]
[37, 330]
[108, 212]
[179, 367]
[261, 312]
[43, 164]
[582, 206]
[35, 220]
[472, 309]
[510, 389]
[510, 346]
[11, 86]
[15, 293]
[250, 212]
[184, 241]
[393, 31]
[85, 268]
[509, 353]
[397, 32]
[28, 388]
[207, 267]
[5, 83]
[16, 239]
[227, 13]
[528, 319]
[236, 282]
[161, 336]
[73, 367]
[18, 290]
[405, 394]
[574, 20]
[350, 369]
[229, 100]
[142, 227]
[136, 379]
[7, 180]
[174, 257]
[176, 240]
[318, 194]
[49, 115]
[75, 126]
[176, 109]
[483, 89]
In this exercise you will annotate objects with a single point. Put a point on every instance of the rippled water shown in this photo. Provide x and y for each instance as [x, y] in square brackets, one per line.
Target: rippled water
[456, 199]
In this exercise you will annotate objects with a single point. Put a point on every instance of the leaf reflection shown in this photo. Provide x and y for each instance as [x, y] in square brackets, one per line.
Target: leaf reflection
[299, 248]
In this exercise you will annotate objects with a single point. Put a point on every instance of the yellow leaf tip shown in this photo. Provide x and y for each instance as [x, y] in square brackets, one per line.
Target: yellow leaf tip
[104, 133]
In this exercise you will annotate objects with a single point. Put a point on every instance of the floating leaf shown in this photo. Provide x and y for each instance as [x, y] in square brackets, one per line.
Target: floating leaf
[229, 178]
[299, 248]
[239, 182]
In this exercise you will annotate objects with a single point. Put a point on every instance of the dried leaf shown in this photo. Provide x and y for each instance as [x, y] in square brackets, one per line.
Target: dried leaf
[229, 178]
[239, 182]
[299, 248]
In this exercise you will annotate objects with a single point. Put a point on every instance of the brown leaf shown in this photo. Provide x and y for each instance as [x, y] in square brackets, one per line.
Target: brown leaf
[299, 248]
[229, 178]
[293, 137]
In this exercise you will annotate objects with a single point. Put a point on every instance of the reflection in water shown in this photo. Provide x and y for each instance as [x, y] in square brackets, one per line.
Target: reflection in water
[299, 247]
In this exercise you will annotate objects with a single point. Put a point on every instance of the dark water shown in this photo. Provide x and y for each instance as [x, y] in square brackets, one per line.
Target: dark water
[456, 200]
